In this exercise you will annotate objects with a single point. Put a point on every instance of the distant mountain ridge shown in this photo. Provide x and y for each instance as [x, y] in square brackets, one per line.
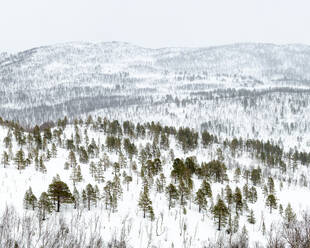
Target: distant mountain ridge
[60, 74]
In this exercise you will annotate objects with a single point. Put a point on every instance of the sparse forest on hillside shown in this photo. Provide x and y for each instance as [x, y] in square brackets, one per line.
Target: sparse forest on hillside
[96, 182]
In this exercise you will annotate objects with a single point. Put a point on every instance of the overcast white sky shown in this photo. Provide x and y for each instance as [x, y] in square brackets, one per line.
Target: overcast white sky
[153, 23]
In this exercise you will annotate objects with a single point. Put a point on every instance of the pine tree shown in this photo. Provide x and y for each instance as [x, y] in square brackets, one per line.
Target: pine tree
[92, 169]
[184, 191]
[270, 185]
[238, 200]
[30, 200]
[108, 194]
[253, 195]
[99, 178]
[145, 203]
[237, 174]
[72, 159]
[116, 191]
[45, 205]
[48, 155]
[90, 195]
[220, 212]
[271, 202]
[54, 150]
[206, 187]
[246, 192]
[84, 198]
[251, 217]
[5, 159]
[265, 190]
[76, 175]
[289, 215]
[76, 198]
[59, 193]
[172, 195]
[229, 196]
[201, 200]
[20, 159]
[42, 167]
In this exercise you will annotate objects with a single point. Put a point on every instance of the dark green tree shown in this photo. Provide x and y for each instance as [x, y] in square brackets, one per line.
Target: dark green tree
[201, 200]
[238, 200]
[30, 200]
[221, 213]
[172, 195]
[90, 195]
[251, 217]
[59, 193]
[20, 159]
[289, 215]
[5, 159]
[145, 204]
[45, 205]
[271, 202]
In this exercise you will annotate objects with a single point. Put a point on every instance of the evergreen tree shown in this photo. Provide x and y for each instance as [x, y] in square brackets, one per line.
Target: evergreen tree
[237, 174]
[54, 150]
[84, 198]
[59, 193]
[108, 194]
[45, 205]
[256, 176]
[206, 187]
[270, 185]
[184, 191]
[271, 202]
[92, 169]
[201, 200]
[72, 159]
[76, 198]
[238, 200]
[79, 177]
[116, 191]
[289, 215]
[145, 204]
[30, 200]
[5, 159]
[90, 195]
[99, 177]
[229, 196]
[251, 217]
[220, 212]
[42, 167]
[83, 155]
[252, 195]
[172, 195]
[20, 159]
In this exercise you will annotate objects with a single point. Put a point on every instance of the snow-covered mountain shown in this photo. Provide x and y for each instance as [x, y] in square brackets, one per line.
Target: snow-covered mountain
[252, 99]
[116, 79]
[105, 65]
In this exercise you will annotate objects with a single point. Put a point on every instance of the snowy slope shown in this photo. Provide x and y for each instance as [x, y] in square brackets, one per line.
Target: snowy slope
[170, 228]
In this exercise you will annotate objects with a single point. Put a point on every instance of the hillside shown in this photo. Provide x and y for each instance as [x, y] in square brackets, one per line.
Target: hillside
[47, 83]
[148, 185]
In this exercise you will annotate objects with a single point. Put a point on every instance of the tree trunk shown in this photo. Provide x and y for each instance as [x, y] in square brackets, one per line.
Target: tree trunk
[58, 204]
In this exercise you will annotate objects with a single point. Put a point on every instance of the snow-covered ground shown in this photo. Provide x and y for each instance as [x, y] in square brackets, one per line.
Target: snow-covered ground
[172, 228]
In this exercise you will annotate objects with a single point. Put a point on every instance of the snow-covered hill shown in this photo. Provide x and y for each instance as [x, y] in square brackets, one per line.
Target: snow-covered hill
[53, 81]
[115, 216]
